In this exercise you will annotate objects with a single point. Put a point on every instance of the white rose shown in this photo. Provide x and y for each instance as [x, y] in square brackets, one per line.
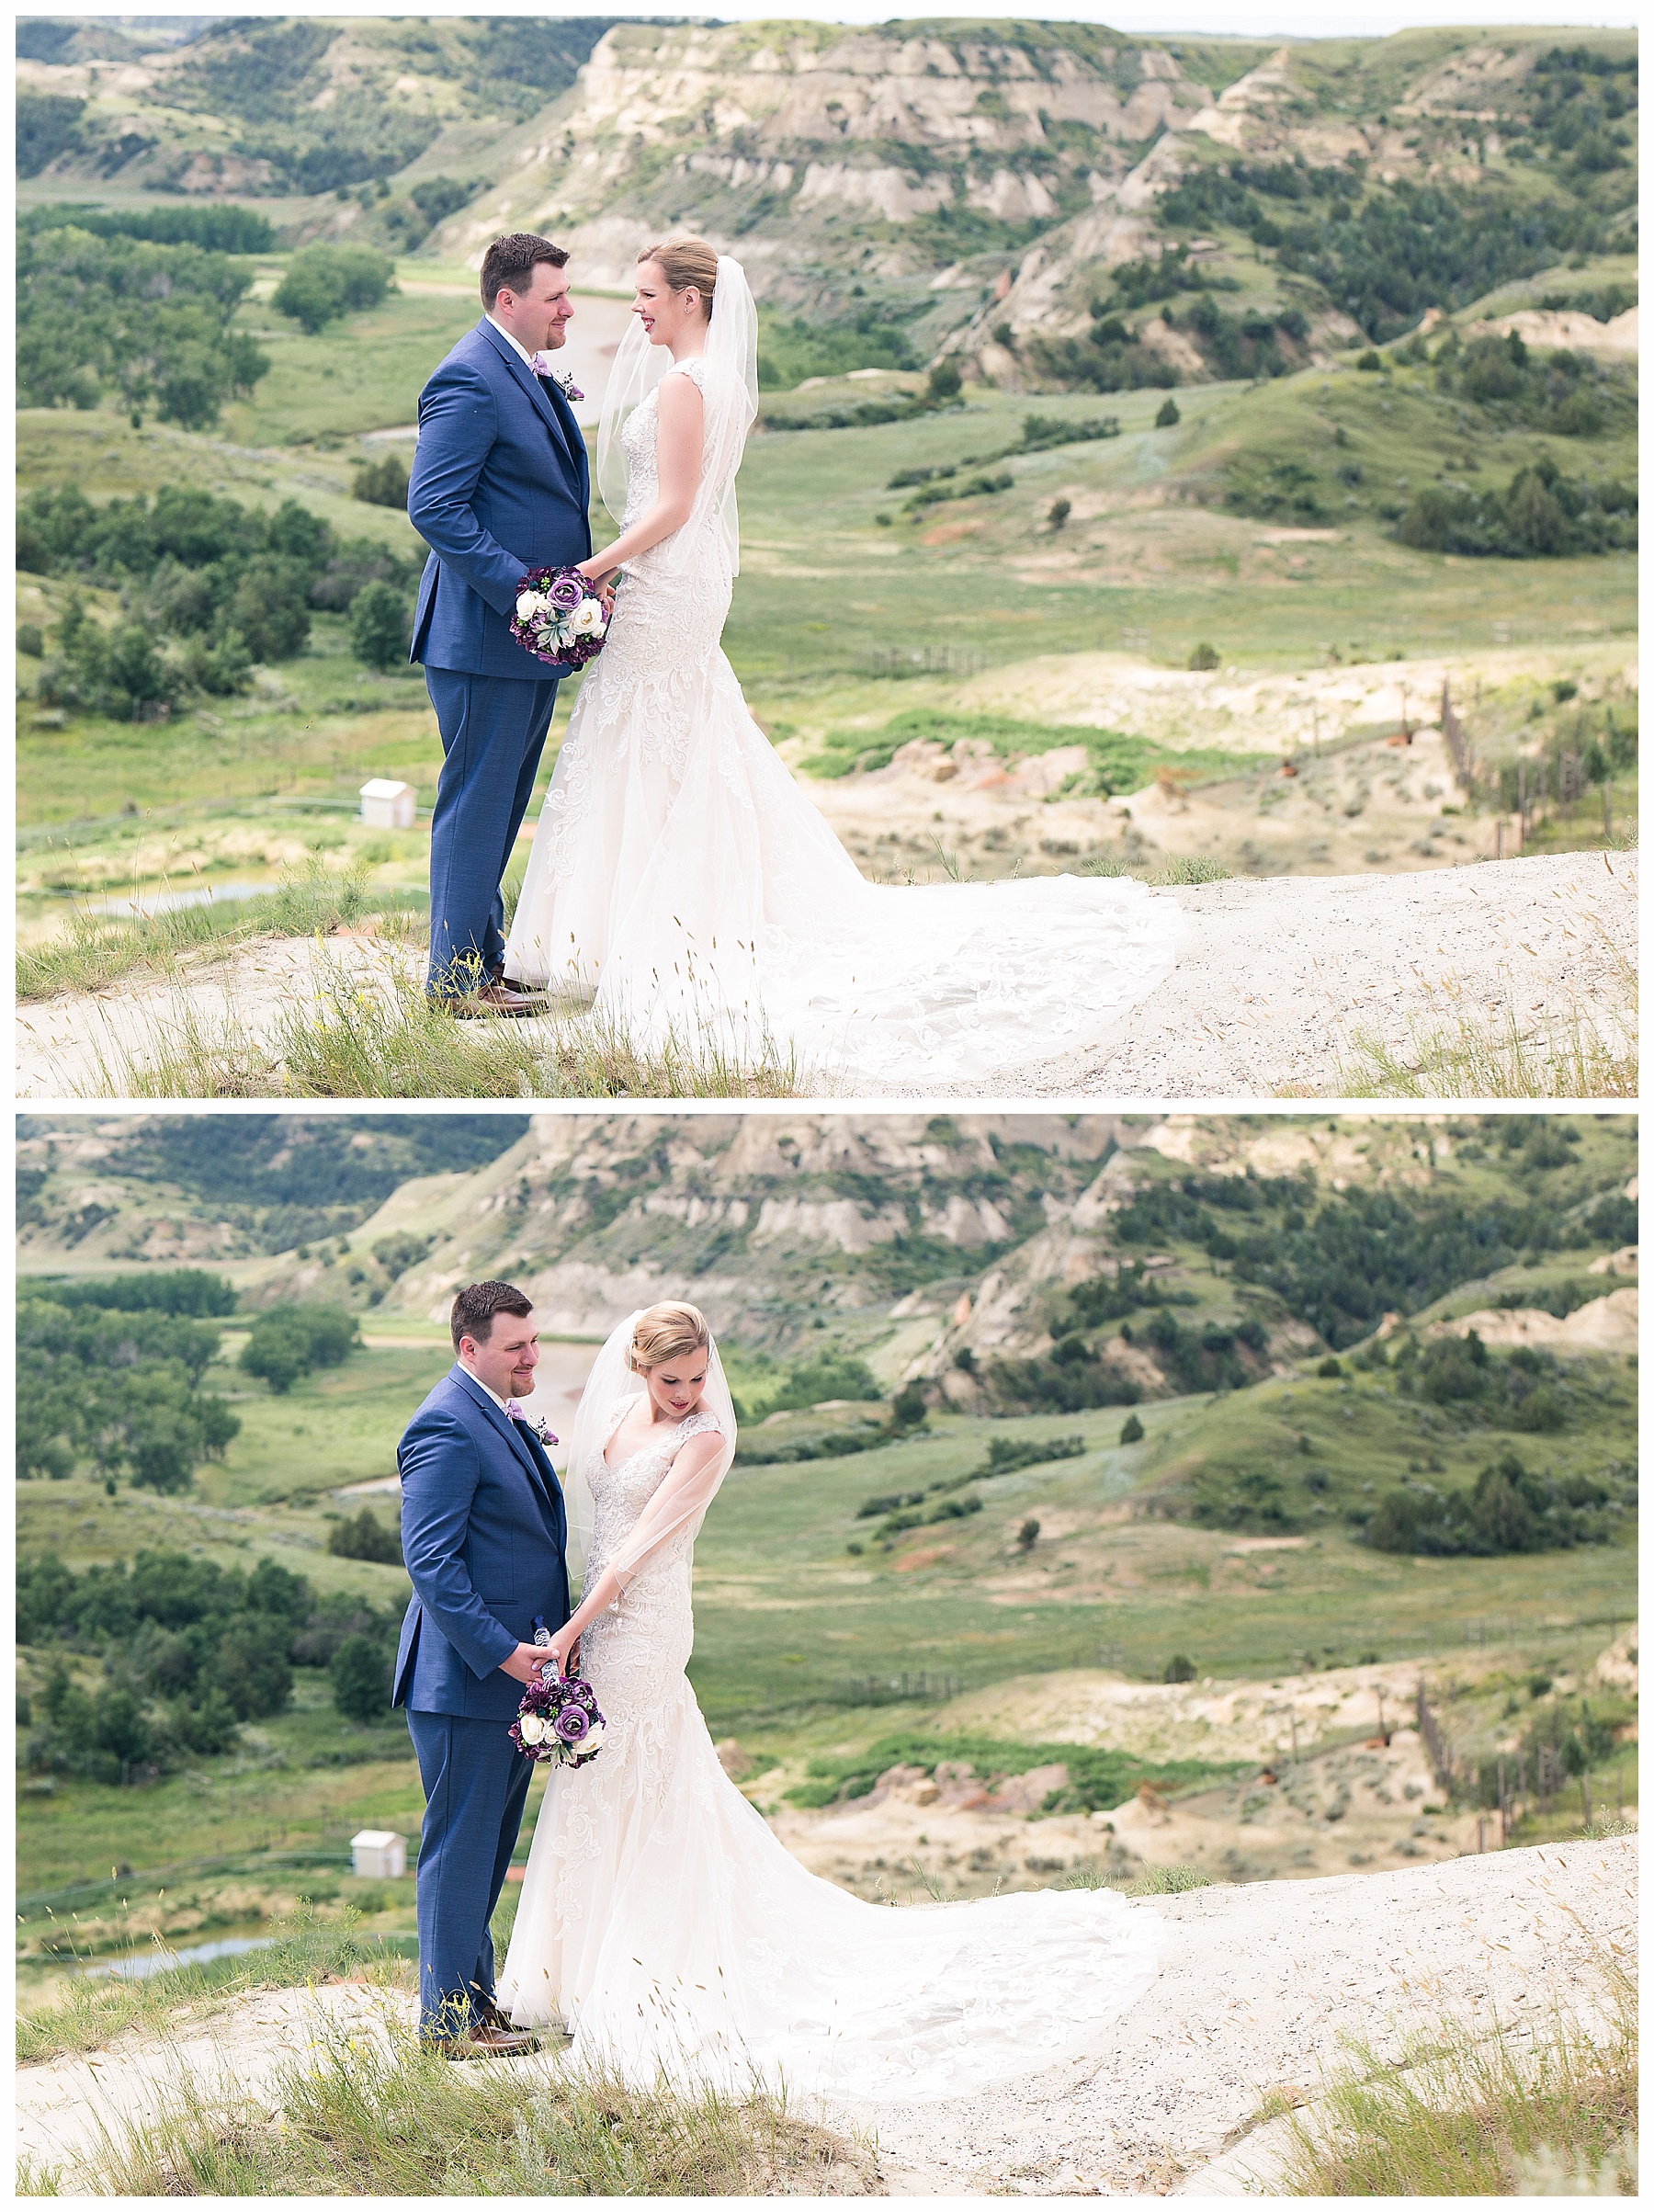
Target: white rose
[585, 619]
[529, 605]
[592, 1737]
[532, 1728]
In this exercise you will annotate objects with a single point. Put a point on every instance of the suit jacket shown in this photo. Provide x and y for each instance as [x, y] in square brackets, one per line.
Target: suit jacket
[483, 1535]
[499, 485]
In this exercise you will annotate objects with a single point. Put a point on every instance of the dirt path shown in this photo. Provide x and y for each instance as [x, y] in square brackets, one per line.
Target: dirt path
[1257, 1987]
[1277, 982]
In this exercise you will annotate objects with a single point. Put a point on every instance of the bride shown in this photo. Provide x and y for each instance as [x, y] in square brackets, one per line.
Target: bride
[661, 1920]
[681, 875]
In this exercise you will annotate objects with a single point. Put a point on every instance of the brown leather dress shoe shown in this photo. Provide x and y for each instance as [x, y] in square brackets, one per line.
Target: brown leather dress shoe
[488, 2041]
[496, 1000]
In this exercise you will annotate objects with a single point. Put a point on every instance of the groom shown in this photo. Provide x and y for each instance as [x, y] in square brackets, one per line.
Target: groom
[499, 485]
[483, 1535]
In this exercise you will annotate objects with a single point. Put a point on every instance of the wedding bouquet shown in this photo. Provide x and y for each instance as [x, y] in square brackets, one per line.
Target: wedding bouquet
[560, 616]
[558, 1719]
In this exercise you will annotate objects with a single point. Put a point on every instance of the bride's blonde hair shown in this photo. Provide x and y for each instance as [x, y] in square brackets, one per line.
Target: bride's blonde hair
[668, 1332]
[685, 261]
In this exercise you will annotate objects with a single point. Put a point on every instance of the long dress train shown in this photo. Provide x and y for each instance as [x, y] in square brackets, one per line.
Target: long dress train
[665, 1925]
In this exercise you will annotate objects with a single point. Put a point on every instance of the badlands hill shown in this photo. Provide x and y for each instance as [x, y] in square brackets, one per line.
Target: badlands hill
[931, 1246]
[973, 187]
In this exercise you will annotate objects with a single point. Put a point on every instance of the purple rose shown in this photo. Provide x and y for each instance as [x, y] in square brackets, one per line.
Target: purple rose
[566, 594]
[573, 1724]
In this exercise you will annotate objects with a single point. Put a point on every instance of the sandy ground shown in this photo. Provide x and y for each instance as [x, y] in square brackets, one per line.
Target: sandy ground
[1279, 980]
[1276, 982]
[1257, 1987]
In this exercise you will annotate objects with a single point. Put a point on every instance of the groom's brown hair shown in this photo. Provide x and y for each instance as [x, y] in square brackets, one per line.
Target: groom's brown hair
[476, 1306]
[508, 265]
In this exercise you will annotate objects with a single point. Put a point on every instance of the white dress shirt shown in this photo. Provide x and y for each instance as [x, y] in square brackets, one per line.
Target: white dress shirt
[503, 1404]
[527, 359]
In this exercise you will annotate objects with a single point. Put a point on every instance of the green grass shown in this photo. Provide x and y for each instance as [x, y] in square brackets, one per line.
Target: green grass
[363, 374]
[1098, 1780]
[1464, 2113]
[1115, 762]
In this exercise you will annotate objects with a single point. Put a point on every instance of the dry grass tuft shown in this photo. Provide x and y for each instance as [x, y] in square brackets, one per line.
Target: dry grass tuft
[373, 1033]
[90, 2010]
[371, 2114]
[96, 950]
[1464, 2114]
[1579, 1053]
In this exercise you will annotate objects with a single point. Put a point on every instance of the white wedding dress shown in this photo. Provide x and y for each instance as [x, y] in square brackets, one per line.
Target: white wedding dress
[681, 875]
[667, 1927]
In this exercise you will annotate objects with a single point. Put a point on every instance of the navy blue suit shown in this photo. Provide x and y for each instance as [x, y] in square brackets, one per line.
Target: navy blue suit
[499, 485]
[483, 1535]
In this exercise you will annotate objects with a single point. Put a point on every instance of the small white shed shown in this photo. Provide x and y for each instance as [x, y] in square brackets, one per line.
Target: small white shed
[379, 1853]
[387, 805]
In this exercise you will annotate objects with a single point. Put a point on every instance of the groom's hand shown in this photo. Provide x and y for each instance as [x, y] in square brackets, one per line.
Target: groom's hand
[525, 1663]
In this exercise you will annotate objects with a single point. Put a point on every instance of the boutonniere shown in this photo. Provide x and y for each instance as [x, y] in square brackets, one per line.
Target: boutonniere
[540, 1430]
[565, 383]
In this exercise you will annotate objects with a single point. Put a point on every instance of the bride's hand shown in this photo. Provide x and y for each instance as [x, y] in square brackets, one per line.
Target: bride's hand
[564, 1643]
[596, 570]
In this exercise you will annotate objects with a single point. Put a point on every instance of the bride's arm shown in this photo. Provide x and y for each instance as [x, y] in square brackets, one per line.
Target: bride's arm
[688, 1485]
[677, 464]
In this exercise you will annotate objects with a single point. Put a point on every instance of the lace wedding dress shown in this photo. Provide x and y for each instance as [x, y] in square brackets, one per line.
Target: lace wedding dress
[681, 875]
[663, 1922]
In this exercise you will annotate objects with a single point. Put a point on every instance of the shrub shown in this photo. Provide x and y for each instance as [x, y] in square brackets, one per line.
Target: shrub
[1179, 1668]
[1370, 362]
[382, 482]
[381, 628]
[1028, 1536]
[1203, 659]
[943, 381]
[1132, 1431]
[1509, 1510]
[361, 1680]
[1168, 417]
[29, 640]
[1060, 509]
[365, 1537]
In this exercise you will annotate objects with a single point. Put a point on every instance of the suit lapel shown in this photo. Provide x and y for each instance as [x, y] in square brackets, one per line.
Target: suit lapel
[535, 391]
[513, 1435]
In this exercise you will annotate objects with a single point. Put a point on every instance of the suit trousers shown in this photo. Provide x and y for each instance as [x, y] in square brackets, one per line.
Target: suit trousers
[493, 732]
[475, 1782]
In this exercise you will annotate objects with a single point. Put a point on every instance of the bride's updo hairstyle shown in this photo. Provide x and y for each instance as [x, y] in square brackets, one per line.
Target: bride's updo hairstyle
[669, 1332]
[684, 262]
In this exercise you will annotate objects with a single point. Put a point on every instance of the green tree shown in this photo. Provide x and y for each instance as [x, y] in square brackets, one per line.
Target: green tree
[379, 627]
[361, 1680]
[325, 282]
